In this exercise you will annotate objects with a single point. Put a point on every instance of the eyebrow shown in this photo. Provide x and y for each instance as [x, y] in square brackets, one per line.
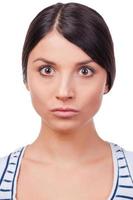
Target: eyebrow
[52, 63]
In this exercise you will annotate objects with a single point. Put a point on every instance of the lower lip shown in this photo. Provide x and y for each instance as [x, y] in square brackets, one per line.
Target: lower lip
[65, 113]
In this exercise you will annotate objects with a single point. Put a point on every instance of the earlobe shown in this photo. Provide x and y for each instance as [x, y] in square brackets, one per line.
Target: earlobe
[26, 84]
[106, 89]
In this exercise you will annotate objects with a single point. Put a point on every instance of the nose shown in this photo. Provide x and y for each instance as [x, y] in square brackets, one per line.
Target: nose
[65, 90]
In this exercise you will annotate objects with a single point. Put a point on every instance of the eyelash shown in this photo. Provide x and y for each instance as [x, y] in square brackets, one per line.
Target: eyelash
[83, 67]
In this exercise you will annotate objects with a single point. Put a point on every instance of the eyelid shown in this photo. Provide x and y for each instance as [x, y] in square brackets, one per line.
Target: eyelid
[83, 66]
[88, 66]
[44, 66]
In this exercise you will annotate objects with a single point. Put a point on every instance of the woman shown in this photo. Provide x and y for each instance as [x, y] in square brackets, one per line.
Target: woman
[68, 65]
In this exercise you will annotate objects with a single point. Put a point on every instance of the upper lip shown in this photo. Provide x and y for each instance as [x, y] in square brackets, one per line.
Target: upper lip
[64, 109]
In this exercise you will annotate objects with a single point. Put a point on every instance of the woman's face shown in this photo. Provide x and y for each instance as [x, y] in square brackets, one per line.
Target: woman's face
[64, 82]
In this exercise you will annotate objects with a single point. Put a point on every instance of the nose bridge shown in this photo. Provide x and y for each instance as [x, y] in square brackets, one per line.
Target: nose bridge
[65, 85]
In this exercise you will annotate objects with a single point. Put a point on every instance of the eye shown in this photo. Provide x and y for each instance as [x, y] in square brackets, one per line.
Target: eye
[45, 70]
[87, 71]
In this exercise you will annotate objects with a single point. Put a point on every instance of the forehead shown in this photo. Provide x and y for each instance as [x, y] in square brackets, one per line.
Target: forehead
[55, 47]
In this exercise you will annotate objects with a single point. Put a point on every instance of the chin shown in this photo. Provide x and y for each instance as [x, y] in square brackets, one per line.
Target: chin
[64, 126]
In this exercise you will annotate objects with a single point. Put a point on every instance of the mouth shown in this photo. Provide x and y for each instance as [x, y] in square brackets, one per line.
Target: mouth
[65, 112]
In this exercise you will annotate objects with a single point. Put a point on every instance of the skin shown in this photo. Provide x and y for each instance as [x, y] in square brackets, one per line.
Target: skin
[65, 141]
[67, 151]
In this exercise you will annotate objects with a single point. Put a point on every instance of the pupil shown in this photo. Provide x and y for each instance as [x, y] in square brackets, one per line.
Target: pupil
[47, 69]
[85, 71]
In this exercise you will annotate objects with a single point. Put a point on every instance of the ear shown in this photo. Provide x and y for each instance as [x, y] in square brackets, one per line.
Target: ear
[27, 87]
[106, 89]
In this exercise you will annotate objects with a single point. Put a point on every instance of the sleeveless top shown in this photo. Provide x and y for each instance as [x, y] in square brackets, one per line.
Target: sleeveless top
[122, 188]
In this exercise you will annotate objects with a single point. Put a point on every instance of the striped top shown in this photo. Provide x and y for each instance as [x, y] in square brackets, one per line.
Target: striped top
[122, 188]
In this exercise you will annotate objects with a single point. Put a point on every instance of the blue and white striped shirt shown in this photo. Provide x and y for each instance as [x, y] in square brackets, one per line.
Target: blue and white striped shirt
[123, 173]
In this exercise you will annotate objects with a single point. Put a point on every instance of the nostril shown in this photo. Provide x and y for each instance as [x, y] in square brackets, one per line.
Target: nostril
[64, 98]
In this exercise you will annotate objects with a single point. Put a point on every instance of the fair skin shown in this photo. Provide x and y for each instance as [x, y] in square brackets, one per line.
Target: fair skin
[66, 143]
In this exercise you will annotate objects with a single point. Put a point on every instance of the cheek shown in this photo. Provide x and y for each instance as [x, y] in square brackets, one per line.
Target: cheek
[39, 92]
[38, 97]
[92, 100]
[96, 100]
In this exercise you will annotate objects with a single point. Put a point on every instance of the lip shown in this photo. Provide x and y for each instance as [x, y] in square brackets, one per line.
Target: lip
[65, 109]
[65, 112]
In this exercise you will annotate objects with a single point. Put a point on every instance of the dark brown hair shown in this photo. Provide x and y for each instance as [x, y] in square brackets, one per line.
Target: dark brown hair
[81, 25]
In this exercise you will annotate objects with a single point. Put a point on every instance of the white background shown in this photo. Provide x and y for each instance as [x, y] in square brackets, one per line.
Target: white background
[19, 123]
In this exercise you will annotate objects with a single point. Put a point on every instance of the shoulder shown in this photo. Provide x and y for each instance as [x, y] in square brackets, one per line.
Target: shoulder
[129, 159]
[3, 163]
[128, 155]
[5, 160]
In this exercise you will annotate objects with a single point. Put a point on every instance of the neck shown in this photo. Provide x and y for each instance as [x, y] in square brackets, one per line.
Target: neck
[72, 147]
